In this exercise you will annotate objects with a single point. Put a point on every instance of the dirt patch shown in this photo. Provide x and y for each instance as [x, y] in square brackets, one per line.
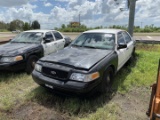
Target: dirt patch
[5, 38]
[133, 106]
[34, 111]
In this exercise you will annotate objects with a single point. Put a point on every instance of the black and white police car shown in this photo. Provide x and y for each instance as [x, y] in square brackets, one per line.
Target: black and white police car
[26, 48]
[89, 62]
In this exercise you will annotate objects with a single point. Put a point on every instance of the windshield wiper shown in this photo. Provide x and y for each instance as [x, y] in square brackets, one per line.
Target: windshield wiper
[14, 42]
[18, 42]
[76, 45]
[90, 47]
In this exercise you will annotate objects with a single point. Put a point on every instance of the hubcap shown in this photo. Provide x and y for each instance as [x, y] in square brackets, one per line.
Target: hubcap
[108, 79]
[33, 64]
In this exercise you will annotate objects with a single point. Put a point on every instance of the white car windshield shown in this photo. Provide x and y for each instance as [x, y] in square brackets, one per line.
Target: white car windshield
[96, 40]
[28, 37]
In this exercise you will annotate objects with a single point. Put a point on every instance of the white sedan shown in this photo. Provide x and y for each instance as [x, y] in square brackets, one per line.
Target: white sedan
[27, 47]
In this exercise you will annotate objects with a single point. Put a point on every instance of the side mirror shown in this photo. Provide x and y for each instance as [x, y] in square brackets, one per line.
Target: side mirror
[67, 40]
[122, 45]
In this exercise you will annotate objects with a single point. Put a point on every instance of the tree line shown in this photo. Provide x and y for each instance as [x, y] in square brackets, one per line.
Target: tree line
[19, 25]
[82, 28]
[23, 26]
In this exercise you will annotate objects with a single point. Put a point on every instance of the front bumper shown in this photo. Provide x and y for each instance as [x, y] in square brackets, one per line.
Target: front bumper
[15, 66]
[69, 86]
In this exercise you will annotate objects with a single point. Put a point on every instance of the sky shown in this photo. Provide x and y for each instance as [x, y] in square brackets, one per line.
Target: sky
[92, 13]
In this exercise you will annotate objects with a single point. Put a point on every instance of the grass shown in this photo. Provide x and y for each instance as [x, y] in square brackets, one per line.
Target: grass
[146, 34]
[17, 89]
[4, 30]
[13, 89]
[108, 112]
[142, 71]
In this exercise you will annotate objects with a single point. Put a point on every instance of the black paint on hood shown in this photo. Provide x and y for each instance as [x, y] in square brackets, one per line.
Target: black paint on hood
[78, 57]
[12, 49]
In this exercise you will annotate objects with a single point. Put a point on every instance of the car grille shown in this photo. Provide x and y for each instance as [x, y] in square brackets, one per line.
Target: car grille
[54, 73]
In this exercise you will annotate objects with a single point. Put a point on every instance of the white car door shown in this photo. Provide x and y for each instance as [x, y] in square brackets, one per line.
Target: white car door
[49, 44]
[121, 52]
[130, 44]
[60, 41]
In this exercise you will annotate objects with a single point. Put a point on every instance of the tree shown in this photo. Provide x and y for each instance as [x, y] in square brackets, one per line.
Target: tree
[16, 24]
[3, 25]
[63, 26]
[26, 26]
[35, 25]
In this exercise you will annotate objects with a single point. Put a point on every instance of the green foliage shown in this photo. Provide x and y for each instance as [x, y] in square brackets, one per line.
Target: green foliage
[69, 28]
[20, 25]
[35, 25]
[118, 27]
[3, 26]
[146, 29]
[16, 25]
[63, 26]
[4, 30]
[26, 26]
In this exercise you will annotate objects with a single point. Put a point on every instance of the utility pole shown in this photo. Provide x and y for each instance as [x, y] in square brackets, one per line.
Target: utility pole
[141, 24]
[132, 5]
[79, 20]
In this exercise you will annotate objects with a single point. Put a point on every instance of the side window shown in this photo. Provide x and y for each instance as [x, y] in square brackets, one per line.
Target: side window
[49, 36]
[57, 35]
[120, 38]
[127, 37]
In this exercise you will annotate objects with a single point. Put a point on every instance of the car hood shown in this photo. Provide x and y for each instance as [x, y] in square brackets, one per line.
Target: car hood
[11, 49]
[78, 57]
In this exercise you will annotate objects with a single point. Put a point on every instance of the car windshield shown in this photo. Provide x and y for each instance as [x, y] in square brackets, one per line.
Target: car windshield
[95, 40]
[28, 37]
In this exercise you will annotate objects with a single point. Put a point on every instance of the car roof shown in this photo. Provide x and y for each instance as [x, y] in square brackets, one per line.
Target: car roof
[114, 31]
[44, 31]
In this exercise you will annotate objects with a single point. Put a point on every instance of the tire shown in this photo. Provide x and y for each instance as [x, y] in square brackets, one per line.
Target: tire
[107, 80]
[31, 64]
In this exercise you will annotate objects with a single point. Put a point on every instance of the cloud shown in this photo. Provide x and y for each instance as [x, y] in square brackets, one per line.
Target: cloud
[91, 12]
[47, 4]
[10, 3]
[60, 16]
[23, 13]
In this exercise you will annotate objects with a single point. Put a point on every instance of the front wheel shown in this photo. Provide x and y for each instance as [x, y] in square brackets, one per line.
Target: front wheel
[31, 64]
[107, 80]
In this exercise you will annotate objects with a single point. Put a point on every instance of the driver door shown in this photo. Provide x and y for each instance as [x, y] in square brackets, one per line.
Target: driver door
[50, 45]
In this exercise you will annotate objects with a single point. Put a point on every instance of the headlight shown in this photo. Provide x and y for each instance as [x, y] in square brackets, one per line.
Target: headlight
[11, 59]
[84, 77]
[38, 67]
